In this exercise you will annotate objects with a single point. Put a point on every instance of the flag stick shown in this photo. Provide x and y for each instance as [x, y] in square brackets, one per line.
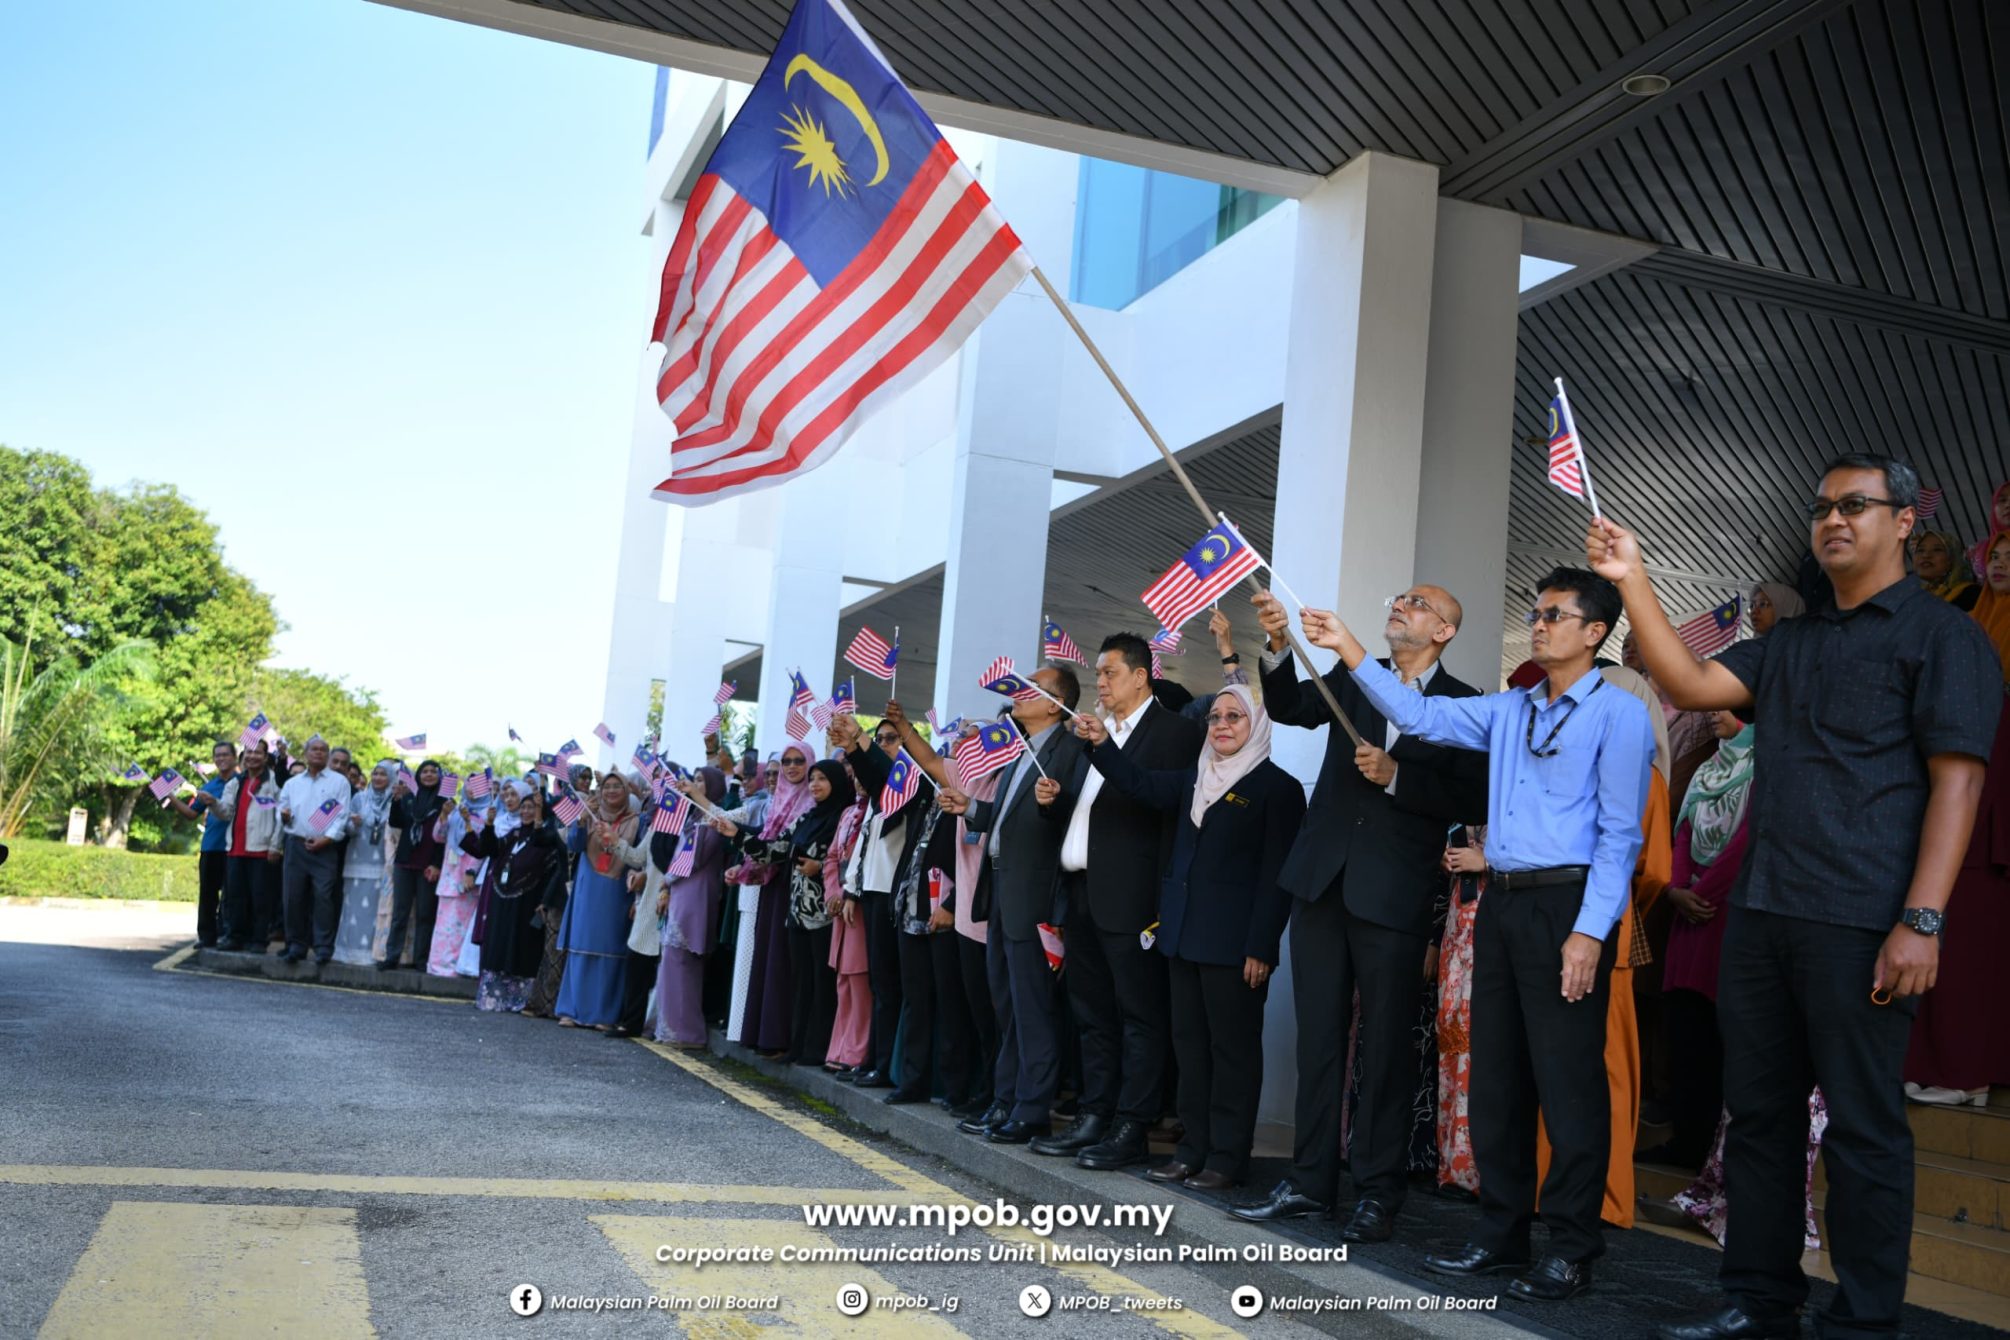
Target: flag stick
[893, 685]
[1275, 580]
[1186, 482]
[1583, 456]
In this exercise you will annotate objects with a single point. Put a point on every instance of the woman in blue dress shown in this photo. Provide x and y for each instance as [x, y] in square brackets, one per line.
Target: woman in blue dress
[594, 934]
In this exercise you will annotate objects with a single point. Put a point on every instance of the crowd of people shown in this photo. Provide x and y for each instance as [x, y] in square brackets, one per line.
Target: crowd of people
[1716, 889]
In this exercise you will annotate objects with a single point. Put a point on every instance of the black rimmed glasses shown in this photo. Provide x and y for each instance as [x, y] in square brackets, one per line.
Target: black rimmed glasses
[1850, 504]
[1553, 615]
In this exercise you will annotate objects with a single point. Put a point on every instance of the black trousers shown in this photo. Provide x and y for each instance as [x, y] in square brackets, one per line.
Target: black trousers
[638, 979]
[1535, 1051]
[1793, 999]
[414, 900]
[1217, 1033]
[883, 970]
[973, 978]
[1334, 952]
[1028, 1070]
[312, 885]
[1696, 1053]
[1117, 991]
[249, 894]
[934, 1028]
[211, 877]
[813, 996]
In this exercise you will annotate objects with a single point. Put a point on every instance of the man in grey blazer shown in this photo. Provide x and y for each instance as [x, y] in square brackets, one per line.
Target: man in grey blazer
[1022, 830]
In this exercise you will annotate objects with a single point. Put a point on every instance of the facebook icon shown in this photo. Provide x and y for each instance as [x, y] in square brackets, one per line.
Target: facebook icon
[526, 1299]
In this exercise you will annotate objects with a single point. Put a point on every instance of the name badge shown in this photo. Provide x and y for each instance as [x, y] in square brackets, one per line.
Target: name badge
[1234, 799]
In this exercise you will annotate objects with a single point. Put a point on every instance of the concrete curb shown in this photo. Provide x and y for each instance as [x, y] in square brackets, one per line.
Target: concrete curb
[121, 904]
[397, 981]
[1033, 1177]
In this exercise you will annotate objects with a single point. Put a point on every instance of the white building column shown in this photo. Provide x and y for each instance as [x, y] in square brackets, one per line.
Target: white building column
[1351, 452]
[1462, 508]
[803, 599]
[1002, 490]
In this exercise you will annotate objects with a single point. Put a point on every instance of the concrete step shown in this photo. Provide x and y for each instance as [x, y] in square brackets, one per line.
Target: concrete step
[1979, 1133]
[407, 981]
[1970, 1251]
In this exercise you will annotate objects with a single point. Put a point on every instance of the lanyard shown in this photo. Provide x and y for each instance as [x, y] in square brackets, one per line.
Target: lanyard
[1544, 750]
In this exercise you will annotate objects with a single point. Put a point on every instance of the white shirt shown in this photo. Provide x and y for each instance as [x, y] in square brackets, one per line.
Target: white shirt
[1273, 659]
[1021, 768]
[1075, 846]
[303, 795]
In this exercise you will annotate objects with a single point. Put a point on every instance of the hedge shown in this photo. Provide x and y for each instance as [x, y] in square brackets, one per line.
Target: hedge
[37, 869]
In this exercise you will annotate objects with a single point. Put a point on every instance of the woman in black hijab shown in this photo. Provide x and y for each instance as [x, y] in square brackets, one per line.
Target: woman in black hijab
[415, 868]
[803, 851]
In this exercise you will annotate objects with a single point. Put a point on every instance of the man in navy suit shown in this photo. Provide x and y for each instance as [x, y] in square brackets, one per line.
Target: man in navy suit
[1363, 874]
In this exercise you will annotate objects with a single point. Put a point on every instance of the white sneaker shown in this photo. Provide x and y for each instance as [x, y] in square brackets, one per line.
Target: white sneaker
[1939, 1097]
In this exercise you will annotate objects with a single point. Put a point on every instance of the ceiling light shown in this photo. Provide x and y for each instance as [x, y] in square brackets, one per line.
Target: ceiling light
[1644, 85]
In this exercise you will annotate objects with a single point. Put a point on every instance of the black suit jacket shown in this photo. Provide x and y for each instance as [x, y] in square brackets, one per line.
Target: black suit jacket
[1130, 841]
[1222, 902]
[1027, 869]
[1381, 851]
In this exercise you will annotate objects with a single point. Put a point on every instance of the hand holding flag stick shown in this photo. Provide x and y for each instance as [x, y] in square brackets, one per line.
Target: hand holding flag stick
[1179, 472]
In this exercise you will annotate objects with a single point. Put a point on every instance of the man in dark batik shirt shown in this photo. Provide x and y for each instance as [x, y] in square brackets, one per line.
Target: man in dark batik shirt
[1874, 720]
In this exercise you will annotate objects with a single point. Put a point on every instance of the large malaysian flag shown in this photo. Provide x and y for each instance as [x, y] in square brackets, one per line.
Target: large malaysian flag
[833, 252]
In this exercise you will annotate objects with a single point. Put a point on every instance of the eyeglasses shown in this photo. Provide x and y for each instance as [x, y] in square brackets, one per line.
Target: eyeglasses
[1226, 718]
[1555, 614]
[794, 763]
[1406, 601]
[1850, 504]
[886, 738]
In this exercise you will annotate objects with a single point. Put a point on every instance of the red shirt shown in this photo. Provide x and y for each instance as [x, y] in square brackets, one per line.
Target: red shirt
[245, 800]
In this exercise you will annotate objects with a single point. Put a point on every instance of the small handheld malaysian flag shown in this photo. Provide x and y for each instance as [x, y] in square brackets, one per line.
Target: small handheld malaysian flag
[480, 784]
[1929, 503]
[1568, 468]
[1202, 575]
[1056, 645]
[254, 732]
[450, 782]
[1166, 640]
[569, 751]
[991, 748]
[1055, 947]
[873, 654]
[604, 735]
[324, 815]
[567, 807]
[514, 737]
[411, 741]
[644, 758]
[725, 694]
[407, 780]
[548, 765]
[133, 773]
[686, 859]
[844, 700]
[1713, 630]
[1001, 677]
[672, 809]
[903, 779]
[166, 785]
[714, 726]
[800, 700]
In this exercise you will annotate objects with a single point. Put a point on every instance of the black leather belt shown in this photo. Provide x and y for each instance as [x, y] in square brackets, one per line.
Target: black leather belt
[1537, 879]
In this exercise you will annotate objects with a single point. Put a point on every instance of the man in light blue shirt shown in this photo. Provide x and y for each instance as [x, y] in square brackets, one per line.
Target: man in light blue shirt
[1568, 766]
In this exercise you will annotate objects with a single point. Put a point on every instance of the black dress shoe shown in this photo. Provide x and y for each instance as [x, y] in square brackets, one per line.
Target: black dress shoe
[1078, 1137]
[1474, 1260]
[1730, 1324]
[1284, 1202]
[387, 964]
[872, 1079]
[1125, 1146]
[232, 946]
[1552, 1280]
[981, 1124]
[1017, 1132]
[843, 1074]
[1371, 1222]
[1173, 1171]
[970, 1110]
[901, 1097]
[321, 958]
[1210, 1179]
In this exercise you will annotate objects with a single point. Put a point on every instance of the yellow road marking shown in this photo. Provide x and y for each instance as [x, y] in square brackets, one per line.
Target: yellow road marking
[1099, 1278]
[216, 1270]
[527, 1188]
[176, 959]
[807, 1292]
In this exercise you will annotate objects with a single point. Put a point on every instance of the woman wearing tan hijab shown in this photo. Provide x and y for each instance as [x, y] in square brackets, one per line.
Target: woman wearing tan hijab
[1772, 602]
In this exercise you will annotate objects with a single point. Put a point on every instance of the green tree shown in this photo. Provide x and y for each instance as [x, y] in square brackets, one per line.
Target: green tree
[46, 550]
[53, 726]
[302, 704]
[507, 761]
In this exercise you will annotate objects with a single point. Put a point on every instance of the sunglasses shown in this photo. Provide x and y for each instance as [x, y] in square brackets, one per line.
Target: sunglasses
[1851, 504]
[1226, 718]
[1554, 615]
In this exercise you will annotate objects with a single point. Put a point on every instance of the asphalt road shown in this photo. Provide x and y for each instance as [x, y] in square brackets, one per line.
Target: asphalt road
[190, 1154]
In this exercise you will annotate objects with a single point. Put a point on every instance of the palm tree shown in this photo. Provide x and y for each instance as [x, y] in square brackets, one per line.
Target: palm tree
[504, 762]
[47, 720]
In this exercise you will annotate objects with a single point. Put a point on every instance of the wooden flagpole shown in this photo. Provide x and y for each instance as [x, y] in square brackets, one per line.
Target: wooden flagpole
[1207, 513]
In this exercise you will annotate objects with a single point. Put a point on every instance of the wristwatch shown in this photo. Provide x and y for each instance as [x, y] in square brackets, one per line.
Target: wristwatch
[1925, 920]
[1233, 658]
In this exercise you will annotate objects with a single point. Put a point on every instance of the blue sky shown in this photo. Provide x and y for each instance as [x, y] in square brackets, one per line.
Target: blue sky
[369, 287]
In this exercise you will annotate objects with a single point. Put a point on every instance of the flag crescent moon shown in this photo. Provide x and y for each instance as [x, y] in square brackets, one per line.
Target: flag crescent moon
[848, 97]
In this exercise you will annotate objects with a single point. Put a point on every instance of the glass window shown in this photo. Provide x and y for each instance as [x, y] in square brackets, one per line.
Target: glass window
[1135, 228]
